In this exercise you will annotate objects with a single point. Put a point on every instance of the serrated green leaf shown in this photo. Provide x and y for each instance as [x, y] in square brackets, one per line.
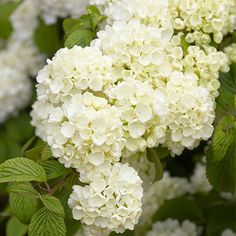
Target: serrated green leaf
[55, 169]
[46, 153]
[27, 145]
[41, 152]
[22, 207]
[180, 208]
[24, 188]
[46, 223]
[69, 24]
[53, 204]
[21, 169]
[81, 37]
[15, 227]
[223, 137]
[152, 156]
[222, 174]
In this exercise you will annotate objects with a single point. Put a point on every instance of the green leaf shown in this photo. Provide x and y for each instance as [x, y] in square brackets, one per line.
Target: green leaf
[15, 227]
[152, 156]
[46, 223]
[69, 24]
[222, 174]
[55, 169]
[22, 207]
[81, 37]
[46, 153]
[39, 152]
[21, 169]
[223, 137]
[180, 208]
[53, 40]
[83, 30]
[25, 189]
[226, 100]
[28, 144]
[221, 218]
[53, 204]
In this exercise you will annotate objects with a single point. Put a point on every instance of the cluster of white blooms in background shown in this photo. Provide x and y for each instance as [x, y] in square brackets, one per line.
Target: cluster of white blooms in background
[167, 188]
[228, 232]
[53, 9]
[20, 59]
[174, 228]
[112, 201]
[231, 52]
[15, 91]
[199, 179]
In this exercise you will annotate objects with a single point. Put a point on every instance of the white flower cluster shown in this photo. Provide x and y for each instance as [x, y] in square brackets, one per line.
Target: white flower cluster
[73, 114]
[174, 228]
[165, 189]
[53, 9]
[15, 93]
[228, 232]
[231, 52]
[112, 202]
[202, 18]
[199, 179]
[177, 104]
[136, 86]
[18, 60]
[198, 18]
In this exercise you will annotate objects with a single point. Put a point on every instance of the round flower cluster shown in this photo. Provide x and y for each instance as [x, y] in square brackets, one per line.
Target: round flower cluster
[153, 60]
[15, 91]
[73, 114]
[53, 9]
[112, 202]
[191, 112]
[203, 18]
[231, 52]
[173, 227]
